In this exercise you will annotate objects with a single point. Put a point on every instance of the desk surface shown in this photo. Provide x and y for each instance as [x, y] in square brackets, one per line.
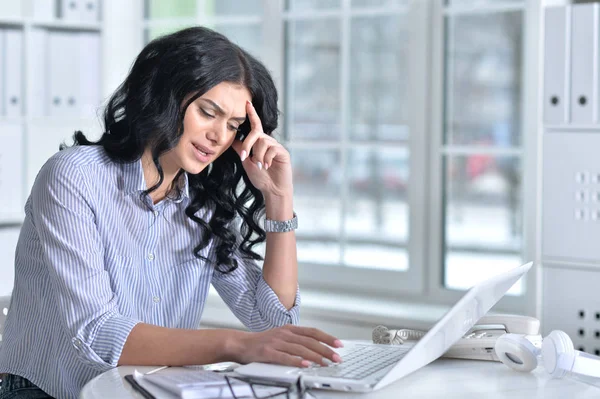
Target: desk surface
[444, 377]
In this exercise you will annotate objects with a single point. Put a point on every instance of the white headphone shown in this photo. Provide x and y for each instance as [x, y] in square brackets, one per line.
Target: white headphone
[557, 354]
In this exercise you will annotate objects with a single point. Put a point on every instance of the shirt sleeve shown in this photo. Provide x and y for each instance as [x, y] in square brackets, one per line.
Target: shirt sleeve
[74, 254]
[251, 299]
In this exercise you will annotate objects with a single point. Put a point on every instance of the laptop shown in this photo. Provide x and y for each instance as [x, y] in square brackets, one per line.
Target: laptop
[368, 367]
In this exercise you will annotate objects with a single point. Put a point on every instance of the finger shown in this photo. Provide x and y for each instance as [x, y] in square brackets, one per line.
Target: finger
[248, 143]
[255, 122]
[258, 151]
[303, 352]
[316, 347]
[287, 360]
[269, 156]
[318, 335]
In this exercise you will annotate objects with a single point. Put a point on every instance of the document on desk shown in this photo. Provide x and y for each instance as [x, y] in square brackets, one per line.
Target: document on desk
[193, 384]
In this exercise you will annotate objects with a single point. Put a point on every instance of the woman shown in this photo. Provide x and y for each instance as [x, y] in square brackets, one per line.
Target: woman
[123, 237]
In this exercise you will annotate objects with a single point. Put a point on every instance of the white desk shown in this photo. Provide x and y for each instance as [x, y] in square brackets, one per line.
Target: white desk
[443, 378]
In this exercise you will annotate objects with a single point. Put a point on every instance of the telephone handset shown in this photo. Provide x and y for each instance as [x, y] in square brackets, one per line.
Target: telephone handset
[479, 342]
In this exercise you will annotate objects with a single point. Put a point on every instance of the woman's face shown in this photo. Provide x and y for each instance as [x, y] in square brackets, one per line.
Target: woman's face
[210, 125]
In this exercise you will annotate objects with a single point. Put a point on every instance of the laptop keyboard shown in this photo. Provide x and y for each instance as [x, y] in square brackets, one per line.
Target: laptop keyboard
[361, 361]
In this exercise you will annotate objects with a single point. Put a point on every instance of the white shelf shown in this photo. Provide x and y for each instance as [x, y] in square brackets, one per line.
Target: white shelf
[50, 24]
[67, 25]
[11, 21]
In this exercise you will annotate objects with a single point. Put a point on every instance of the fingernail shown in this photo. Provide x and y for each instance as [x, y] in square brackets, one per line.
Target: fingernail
[305, 363]
[336, 358]
[338, 344]
[266, 166]
[243, 156]
[259, 165]
[249, 102]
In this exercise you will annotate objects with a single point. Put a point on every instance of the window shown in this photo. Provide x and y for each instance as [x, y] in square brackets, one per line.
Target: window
[404, 120]
[480, 155]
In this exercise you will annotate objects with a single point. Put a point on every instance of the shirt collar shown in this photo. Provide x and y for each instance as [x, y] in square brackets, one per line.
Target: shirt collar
[183, 185]
[133, 176]
[135, 182]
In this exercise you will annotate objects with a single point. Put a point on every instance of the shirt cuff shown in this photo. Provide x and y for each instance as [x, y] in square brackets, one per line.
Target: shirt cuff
[106, 348]
[272, 309]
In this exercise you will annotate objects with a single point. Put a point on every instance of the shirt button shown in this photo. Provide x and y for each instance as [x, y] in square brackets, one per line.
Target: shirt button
[156, 213]
[150, 256]
[77, 343]
[156, 299]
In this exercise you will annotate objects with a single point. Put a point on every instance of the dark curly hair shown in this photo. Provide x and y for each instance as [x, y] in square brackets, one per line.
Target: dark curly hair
[146, 112]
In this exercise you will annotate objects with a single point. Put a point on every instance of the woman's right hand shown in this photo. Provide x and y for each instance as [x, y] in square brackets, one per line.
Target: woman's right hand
[288, 345]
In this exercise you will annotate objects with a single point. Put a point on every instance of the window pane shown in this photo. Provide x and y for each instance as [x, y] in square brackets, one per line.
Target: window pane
[312, 79]
[319, 252]
[483, 215]
[378, 78]
[317, 182]
[376, 219]
[376, 256]
[170, 9]
[248, 37]
[233, 7]
[378, 3]
[302, 5]
[483, 79]
[464, 269]
[378, 181]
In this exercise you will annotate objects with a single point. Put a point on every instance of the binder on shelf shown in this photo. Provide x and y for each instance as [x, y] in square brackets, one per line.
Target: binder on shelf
[90, 10]
[584, 20]
[11, 8]
[555, 63]
[63, 63]
[13, 72]
[69, 10]
[89, 74]
[38, 97]
[44, 10]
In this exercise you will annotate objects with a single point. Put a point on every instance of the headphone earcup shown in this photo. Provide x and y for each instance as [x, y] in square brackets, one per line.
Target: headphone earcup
[517, 352]
[557, 349]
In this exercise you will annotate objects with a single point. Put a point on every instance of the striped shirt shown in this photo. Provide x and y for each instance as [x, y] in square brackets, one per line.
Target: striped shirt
[94, 259]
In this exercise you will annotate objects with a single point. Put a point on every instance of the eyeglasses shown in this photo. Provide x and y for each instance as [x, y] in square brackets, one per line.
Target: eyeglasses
[262, 389]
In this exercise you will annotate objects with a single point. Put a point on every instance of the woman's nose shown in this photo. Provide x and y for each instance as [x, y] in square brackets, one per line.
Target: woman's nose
[217, 134]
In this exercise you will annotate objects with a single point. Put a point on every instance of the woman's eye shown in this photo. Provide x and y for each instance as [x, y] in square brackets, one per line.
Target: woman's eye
[234, 129]
[206, 113]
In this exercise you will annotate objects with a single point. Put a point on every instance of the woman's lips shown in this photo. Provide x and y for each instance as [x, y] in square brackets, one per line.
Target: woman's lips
[202, 154]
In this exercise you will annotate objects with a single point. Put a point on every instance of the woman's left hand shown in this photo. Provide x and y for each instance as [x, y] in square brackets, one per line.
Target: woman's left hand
[269, 168]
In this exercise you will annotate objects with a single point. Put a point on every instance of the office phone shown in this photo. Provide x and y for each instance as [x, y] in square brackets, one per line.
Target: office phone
[479, 342]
